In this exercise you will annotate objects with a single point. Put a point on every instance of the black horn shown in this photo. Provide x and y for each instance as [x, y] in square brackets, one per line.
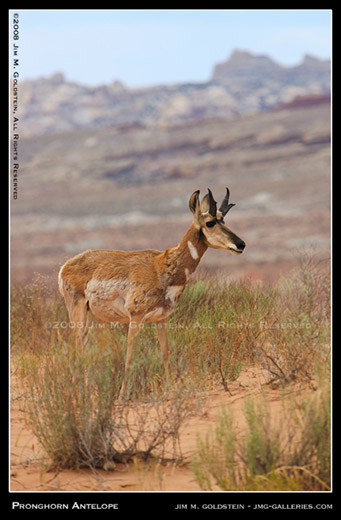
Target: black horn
[213, 205]
[225, 206]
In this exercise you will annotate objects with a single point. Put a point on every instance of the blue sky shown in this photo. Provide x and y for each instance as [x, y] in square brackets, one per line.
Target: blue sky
[149, 47]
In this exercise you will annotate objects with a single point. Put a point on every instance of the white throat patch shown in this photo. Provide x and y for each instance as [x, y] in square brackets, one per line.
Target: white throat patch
[173, 292]
[192, 250]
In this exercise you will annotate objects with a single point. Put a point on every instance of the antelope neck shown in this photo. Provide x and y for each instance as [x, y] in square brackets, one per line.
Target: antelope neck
[195, 244]
[177, 263]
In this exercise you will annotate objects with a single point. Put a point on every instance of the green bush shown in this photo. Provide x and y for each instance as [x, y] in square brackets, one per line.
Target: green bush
[289, 453]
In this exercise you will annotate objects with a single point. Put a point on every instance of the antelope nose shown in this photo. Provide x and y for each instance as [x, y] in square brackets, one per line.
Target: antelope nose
[241, 244]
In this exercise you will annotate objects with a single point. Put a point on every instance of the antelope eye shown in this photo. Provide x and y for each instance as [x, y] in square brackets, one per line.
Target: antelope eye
[210, 224]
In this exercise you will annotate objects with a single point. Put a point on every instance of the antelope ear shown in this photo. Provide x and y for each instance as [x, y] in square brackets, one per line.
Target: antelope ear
[209, 205]
[194, 205]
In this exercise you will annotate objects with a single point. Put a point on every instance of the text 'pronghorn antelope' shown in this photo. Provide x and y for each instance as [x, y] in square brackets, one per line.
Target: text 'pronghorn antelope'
[138, 287]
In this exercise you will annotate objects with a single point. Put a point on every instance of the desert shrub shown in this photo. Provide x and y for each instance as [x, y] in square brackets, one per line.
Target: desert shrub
[233, 463]
[215, 326]
[312, 416]
[37, 310]
[290, 453]
[72, 408]
[292, 345]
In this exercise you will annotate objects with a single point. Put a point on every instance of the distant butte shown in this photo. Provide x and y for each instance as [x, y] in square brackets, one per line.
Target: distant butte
[244, 83]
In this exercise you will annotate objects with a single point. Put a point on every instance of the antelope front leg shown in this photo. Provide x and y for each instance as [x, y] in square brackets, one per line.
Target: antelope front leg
[163, 341]
[134, 329]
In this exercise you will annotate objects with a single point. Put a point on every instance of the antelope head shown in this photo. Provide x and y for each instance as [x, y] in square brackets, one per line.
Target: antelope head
[211, 222]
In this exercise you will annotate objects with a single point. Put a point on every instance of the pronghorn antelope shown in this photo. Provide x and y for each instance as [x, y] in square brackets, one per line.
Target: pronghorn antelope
[138, 287]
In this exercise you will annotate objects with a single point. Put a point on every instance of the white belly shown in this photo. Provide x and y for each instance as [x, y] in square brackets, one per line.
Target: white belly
[107, 300]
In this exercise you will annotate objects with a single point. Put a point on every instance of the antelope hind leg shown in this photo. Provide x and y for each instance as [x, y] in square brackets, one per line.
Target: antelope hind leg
[134, 329]
[161, 329]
